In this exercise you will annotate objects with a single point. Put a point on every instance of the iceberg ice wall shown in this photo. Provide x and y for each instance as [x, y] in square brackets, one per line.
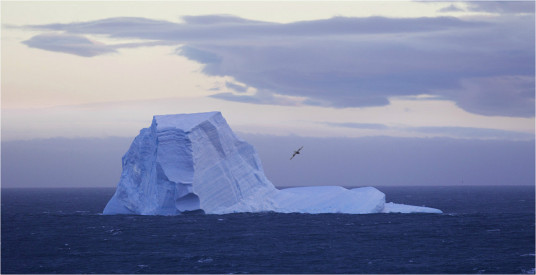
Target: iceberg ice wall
[189, 162]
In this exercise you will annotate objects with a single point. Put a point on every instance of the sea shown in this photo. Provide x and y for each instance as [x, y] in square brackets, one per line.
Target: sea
[483, 230]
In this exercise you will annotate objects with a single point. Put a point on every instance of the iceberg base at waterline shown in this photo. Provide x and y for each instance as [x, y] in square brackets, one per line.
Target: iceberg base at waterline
[195, 162]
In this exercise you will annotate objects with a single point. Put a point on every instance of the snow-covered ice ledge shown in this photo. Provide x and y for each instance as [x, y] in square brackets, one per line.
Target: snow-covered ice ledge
[189, 162]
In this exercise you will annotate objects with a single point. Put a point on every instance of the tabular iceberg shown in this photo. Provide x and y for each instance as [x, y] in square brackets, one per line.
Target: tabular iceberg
[191, 162]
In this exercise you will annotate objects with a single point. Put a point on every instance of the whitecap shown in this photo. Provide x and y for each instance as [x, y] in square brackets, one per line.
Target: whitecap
[205, 260]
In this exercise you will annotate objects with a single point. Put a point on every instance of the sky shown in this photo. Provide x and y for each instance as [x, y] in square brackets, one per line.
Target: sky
[433, 73]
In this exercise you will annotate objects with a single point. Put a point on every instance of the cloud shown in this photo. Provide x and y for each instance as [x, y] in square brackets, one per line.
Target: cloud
[499, 7]
[216, 19]
[473, 133]
[367, 126]
[444, 131]
[514, 94]
[68, 43]
[199, 55]
[260, 97]
[502, 7]
[133, 27]
[236, 87]
[343, 62]
[216, 27]
[451, 8]
[244, 98]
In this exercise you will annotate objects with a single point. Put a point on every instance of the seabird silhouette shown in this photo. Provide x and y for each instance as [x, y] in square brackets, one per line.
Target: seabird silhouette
[297, 152]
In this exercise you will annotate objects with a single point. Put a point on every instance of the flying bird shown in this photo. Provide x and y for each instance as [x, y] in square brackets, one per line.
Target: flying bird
[297, 152]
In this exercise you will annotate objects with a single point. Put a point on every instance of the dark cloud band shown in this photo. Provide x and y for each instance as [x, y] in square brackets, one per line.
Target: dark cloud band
[486, 66]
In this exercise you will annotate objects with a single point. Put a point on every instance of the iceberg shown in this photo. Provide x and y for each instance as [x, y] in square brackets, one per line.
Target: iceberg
[195, 162]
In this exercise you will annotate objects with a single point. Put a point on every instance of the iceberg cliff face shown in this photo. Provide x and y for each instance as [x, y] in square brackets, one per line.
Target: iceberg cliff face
[186, 163]
[190, 162]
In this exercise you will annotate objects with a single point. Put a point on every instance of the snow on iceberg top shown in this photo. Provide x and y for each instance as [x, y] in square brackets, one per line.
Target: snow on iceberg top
[183, 122]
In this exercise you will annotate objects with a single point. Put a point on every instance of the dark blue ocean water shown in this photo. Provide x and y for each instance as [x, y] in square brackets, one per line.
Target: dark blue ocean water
[483, 230]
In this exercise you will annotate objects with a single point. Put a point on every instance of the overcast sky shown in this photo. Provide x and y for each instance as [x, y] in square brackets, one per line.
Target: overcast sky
[457, 70]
